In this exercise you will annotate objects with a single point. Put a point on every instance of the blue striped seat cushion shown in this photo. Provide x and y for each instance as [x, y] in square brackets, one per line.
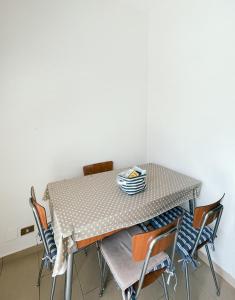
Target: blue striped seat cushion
[167, 217]
[163, 219]
[187, 233]
[49, 236]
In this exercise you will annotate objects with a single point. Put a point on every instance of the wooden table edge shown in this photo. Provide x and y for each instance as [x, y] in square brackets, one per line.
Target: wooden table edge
[92, 240]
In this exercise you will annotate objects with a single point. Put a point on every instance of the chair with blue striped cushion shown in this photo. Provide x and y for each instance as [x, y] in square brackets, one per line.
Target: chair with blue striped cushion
[46, 234]
[137, 258]
[194, 233]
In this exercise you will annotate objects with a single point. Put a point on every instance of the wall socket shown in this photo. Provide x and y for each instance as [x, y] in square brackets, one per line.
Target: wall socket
[26, 230]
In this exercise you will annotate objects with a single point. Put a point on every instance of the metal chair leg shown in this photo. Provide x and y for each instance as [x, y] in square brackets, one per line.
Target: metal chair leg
[165, 287]
[85, 251]
[104, 275]
[40, 273]
[187, 282]
[53, 287]
[212, 270]
[51, 266]
[196, 255]
[40, 270]
[100, 260]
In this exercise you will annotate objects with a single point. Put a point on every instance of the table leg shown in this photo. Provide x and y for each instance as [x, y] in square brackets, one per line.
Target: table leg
[69, 278]
[191, 206]
[192, 203]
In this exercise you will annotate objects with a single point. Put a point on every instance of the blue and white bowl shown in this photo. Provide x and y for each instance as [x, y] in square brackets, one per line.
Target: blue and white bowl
[133, 185]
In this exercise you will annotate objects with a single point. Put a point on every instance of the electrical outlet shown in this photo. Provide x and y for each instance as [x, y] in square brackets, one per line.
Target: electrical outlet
[26, 230]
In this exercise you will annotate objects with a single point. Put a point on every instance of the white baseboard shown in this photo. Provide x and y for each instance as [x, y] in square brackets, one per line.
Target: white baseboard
[19, 244]
[225, 275]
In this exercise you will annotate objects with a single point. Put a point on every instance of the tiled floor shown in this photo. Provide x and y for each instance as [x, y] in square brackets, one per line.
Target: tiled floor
[18, 277]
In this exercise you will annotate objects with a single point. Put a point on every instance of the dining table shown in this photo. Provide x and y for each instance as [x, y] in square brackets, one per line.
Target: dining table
[86, 209]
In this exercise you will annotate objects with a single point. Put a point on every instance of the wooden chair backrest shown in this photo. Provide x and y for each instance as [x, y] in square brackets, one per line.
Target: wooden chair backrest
[40, 210]
[98, 168]
[201, 211]
[141, 241]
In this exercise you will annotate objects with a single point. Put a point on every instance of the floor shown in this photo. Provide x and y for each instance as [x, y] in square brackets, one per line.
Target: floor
[18, 275]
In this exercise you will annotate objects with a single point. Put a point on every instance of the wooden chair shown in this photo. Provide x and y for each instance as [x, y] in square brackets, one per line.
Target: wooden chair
[194, 233]
[47, 236]
[136, 258]
[195, 227]
[98, 168]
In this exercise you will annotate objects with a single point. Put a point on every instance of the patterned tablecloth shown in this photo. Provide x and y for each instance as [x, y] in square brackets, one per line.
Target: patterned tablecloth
[88, 206]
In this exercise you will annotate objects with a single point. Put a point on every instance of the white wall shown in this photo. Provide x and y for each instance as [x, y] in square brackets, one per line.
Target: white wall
[192, 101]
[74, 76]
[73, 79]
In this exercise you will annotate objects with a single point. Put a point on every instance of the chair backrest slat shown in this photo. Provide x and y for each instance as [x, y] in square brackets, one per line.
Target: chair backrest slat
[39, 213]
[141, 241]
[42, 215]
[40, 210]
[201, 211]
[98, 168]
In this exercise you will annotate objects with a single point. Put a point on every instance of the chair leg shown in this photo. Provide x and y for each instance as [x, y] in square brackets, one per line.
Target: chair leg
[85, 251]
[165, 287]
[51, 266]
[102, 276]
[187, 282]
[100, 260]
[196, 255]
[53, 287]
[212, 270]
[40, 270]
[40, 273]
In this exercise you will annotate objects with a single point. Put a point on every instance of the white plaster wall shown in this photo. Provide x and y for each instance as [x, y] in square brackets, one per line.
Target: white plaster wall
[191, 124]
[72, 80]
[74, 75]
